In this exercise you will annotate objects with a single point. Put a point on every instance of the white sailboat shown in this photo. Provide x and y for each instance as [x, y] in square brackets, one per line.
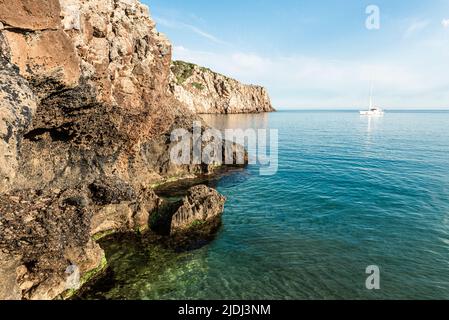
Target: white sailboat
[372, 110]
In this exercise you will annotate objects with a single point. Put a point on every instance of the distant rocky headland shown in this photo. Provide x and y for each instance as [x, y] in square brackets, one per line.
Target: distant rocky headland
[88, 97]
[206, 92]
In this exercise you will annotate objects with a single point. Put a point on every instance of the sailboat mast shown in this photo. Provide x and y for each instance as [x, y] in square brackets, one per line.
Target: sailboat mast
[371, 96]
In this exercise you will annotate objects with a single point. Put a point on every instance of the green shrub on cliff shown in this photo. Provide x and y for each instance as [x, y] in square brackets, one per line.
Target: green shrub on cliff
[182, 70]
[198, 86]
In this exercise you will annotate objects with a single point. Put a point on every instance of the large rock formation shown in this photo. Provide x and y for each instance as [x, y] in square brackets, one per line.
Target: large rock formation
[201, 205]
[100, 80]
[190, 222]
[85, 122]
[206, 92]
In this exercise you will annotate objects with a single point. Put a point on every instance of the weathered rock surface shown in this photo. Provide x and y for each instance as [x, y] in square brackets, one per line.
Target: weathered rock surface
[202, 205]
[17, 107]
[9, 289]
[46, 232]
[190, 222]
[206, 92]
[44, 55]
[122, 53]
[30, 14]
[119, 207]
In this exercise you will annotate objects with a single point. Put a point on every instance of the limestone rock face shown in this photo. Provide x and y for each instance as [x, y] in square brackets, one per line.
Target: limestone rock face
[121, 52]
[206, 92]
[44, 55]
[201, 205]
[30, 14]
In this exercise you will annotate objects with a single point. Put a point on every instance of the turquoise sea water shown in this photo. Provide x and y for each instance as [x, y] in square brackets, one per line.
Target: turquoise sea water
[350, 192]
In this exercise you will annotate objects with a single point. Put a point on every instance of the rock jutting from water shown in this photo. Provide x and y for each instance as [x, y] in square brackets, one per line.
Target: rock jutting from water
[206, 92]
[201, 205]
[191, 221]
[85, 120]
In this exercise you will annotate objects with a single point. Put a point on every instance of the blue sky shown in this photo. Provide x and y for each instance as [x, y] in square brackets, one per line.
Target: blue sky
[318, 54]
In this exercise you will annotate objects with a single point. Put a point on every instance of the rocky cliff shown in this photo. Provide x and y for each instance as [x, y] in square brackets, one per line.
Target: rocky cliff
[85, 122]
[206, 92]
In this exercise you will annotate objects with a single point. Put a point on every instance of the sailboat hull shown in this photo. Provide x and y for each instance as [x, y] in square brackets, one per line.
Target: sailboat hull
[372, 113]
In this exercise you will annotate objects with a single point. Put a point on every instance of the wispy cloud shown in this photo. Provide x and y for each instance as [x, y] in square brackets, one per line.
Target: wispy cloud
[182, 25]
[445, 23]
[416, 27]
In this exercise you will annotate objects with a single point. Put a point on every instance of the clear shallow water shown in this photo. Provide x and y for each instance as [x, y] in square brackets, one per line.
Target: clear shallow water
[350, 192]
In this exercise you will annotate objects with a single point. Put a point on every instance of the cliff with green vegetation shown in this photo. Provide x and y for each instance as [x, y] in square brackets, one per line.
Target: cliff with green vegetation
[206, 92]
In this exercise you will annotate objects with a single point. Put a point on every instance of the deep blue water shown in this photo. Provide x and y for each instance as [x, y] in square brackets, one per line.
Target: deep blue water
[350, 192]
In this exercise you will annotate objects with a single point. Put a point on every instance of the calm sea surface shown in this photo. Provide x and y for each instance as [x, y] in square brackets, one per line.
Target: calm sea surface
[350, 192]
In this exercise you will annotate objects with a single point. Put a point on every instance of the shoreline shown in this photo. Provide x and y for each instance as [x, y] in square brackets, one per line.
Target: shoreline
[168, 189]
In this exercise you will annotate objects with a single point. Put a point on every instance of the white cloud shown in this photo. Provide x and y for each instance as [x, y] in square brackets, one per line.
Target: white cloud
[445, 23]
[307, 82]
[181, 25]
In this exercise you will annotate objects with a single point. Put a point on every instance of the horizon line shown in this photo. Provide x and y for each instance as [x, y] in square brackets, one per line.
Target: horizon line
[355, 109]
